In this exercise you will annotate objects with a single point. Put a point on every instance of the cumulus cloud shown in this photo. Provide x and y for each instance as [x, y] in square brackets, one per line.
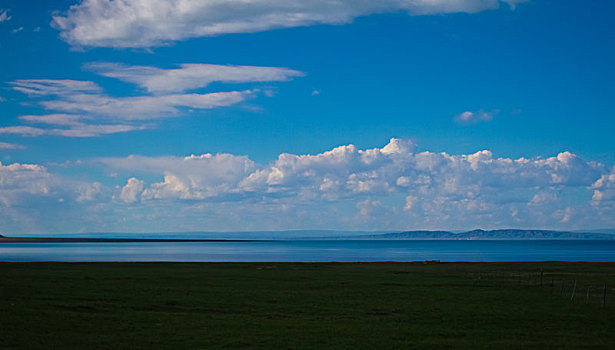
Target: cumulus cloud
[604, 188]
[435, 189]
[194, 177]
[132, 190]
[410, 202]
[35, 199]
[346, 187]
[367, 207]
[143, 23]
[567, 215]
[426, 179]
[18, 182]
[89, 191]
[28, 184]
[469, 117]
[542, 197]
[83, 109]
[190, 76]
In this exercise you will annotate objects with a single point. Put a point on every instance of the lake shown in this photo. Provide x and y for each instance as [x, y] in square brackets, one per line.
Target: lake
[317, 251]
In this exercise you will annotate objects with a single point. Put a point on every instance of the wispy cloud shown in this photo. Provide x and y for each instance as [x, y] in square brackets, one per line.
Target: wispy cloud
[4, 16]
[83, 109]
[143, 23]
[22, 130]
[74, 130]
[5, 145]
[143, 107]
[44, 87]
[190, 76]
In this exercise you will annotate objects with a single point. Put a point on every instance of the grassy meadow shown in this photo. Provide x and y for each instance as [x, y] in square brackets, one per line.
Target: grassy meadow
[306, 306]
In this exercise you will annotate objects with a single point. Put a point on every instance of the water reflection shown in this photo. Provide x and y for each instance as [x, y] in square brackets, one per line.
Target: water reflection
[314, 251]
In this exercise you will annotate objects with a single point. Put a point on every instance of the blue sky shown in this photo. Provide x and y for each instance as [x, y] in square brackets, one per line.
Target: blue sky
[215, 115]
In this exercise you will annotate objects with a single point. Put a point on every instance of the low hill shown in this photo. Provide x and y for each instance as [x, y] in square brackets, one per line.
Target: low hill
[505, 234]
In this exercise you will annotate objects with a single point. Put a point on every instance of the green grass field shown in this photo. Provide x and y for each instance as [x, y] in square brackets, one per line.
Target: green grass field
[305, 306]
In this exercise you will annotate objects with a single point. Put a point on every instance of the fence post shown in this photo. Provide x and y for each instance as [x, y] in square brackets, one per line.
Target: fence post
[541, 275]
[587, 295]
[573, 290]
[561, 291]
[604, 296]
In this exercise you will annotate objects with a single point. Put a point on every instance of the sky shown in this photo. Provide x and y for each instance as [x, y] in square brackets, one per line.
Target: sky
[217, 115]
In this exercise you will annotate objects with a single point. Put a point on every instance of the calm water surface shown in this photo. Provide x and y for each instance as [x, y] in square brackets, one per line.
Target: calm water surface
[315, 251]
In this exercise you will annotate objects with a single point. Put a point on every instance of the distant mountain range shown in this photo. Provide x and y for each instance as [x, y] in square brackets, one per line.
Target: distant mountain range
[501, 234]
[507, 234]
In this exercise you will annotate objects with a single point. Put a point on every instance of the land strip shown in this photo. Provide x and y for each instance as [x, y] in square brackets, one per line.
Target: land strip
[306, 305]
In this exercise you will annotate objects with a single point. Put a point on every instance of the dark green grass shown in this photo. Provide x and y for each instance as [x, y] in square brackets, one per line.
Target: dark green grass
[306, 306]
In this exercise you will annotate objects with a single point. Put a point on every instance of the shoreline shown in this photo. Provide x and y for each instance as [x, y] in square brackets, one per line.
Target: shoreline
[114, 240]
[318, 263]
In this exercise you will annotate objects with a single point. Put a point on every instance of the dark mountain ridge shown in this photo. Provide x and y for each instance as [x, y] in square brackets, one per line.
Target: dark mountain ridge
[501, 234]
[478, 234]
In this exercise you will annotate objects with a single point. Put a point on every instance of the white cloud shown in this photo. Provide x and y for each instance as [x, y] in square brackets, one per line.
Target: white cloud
[89, 192]
[144, 107]
[85, 130]
[82, 109]
[190, 76]
[4, 16]
[18, 182]
[6, 145]
[132, 190]
[469, 117]
[143, 23]
[387, 187]
[44, 87]
[29, 185]
[193, 177]
[53, 119]
[17, 30]
[513, 3]
[542, 198]
[604, 188]
[22, 130]
[367, 207]
[410, 202]
[71, 126]
[567, 215]
[35, 199]
[348, 173]
[86, 97]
